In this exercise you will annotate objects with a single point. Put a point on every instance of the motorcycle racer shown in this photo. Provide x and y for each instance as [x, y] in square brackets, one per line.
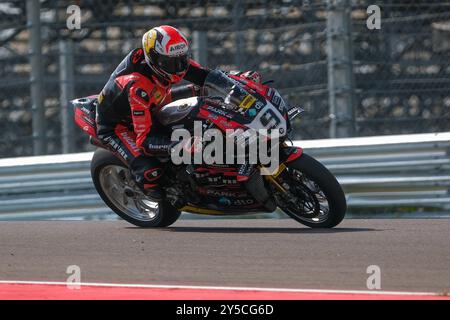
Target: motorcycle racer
[141, 84]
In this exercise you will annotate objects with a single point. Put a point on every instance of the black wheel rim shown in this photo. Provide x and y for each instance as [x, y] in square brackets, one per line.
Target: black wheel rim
[311, 204]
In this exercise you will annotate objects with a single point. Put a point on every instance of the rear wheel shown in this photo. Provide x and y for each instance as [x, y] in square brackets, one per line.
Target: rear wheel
[116, 187]
[316, 199]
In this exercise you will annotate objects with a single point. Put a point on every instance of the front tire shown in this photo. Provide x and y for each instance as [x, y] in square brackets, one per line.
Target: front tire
[110, 177]
[313, 181]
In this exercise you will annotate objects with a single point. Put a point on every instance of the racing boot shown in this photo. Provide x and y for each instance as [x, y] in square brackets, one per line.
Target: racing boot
[147, 172]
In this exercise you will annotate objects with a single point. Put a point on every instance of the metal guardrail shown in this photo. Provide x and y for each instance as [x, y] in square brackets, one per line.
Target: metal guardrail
[378, 172]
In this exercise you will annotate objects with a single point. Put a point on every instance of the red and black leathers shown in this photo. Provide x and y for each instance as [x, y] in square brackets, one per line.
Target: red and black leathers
[124, 114]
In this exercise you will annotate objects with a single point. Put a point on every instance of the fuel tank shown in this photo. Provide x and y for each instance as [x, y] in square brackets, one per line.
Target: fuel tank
[176, 111]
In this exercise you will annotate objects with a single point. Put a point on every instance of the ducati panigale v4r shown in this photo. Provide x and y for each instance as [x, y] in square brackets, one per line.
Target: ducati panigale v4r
[301, 186]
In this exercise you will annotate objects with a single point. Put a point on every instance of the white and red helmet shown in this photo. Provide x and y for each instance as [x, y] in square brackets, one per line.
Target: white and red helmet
[166, 52]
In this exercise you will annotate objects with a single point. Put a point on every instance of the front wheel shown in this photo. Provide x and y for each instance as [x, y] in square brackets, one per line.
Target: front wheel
[113, 181]
[315, 197]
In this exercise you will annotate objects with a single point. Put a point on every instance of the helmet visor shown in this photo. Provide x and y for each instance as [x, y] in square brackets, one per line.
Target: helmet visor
[173, 65]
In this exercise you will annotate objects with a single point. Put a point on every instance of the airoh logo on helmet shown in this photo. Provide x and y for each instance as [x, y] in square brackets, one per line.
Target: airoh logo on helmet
[178, 48]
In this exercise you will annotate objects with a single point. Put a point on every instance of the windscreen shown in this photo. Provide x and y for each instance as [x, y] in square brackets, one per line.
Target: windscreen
[219, 85]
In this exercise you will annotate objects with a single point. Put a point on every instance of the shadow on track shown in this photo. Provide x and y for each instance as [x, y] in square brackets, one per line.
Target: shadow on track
[265, 230]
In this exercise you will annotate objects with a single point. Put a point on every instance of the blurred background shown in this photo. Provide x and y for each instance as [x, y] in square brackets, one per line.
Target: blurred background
[352, 81]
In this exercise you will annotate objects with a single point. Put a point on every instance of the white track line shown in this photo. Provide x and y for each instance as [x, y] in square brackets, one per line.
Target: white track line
[151, 286]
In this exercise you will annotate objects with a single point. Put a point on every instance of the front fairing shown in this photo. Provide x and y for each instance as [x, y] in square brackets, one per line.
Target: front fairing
[259, 113]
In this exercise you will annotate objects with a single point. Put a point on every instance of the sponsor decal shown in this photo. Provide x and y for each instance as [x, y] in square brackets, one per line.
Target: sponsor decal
[225, 201]
[247, 102]
[225, 124]
[213, 116]
[89, 120]
[157, 94]
[221, 180]
[243, 202]
[237, 202]
[101, 97]
[131, 143]
[144, 95]
[278, 102]
[137, 56]
[139, 128]
[201, 175]
[220, 193]
[252, 112]
[259, 105]
[150, 41]
[118, 149]
[219, 111]
[138, 113]
[157, 147]
[270, 120]
[177, 48]
[85, 110]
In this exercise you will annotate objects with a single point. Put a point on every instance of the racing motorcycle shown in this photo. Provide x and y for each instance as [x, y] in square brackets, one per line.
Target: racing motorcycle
[300, 186]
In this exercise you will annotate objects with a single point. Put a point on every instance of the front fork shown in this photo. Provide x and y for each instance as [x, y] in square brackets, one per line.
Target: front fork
[287, 155]
[254, 183]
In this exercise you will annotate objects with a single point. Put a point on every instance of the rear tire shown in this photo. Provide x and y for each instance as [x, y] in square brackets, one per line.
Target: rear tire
[327, 183]
[165, 215]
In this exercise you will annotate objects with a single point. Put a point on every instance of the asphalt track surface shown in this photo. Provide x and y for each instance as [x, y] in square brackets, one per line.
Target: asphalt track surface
[413, 255]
